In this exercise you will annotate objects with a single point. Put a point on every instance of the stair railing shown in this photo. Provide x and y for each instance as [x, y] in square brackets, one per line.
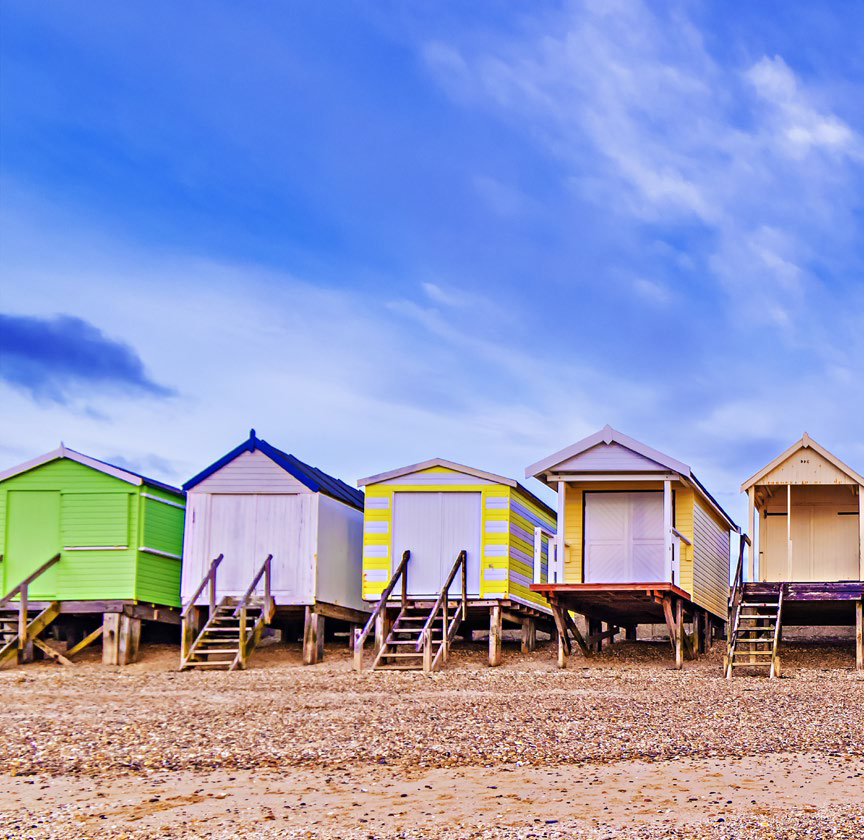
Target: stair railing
[242, 609]
[448, 627]
[22, 590]
[774, 670]
[185, 624]
[269, 604]
[735, 597]
[400, 573]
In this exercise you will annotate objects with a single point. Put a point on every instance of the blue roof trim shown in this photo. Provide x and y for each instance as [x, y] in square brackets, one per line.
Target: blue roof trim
[316, 480]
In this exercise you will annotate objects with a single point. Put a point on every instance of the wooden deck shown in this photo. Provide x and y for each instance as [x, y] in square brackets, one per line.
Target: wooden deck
[813, 604]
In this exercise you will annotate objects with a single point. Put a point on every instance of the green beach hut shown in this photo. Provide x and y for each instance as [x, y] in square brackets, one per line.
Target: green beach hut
[88, 548]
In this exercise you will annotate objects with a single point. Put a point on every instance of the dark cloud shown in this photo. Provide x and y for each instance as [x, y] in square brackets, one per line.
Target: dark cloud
[63, 358]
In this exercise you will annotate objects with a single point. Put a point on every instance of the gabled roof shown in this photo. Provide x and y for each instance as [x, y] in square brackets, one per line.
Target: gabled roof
[806, 442]
[94, 463]
[316, 480]
[609, 436]
[437, 462]
[452, 465]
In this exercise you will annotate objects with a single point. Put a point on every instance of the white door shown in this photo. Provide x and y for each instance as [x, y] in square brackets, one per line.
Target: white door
[435, 527]
[624, 538]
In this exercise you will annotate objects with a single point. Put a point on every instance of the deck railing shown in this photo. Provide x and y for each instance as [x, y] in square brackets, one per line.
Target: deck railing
[186, 629]
[400, 573]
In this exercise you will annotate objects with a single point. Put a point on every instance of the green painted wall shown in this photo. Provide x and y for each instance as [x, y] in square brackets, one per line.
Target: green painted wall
[99, 523]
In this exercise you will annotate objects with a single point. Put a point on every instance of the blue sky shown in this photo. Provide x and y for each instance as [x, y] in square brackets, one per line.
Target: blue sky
[383, 232]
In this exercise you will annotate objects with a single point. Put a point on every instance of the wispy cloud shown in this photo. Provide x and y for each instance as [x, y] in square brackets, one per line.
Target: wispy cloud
[64, 358]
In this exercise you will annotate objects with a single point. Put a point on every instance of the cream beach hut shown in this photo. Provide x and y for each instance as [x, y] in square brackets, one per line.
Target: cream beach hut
[450, 548]
[807, 567]
[640, 541]
[269, 539]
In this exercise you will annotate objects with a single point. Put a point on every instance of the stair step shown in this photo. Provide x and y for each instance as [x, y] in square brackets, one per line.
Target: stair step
[753, 653]
[398, 668]
[223, 664]
[394, 655]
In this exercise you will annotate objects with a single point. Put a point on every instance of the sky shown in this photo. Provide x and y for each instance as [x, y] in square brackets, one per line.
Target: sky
[383, 232]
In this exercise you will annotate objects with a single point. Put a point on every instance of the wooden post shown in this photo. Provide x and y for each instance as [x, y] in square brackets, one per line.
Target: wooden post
[667, 531]
[559, 558]
[679, 634]
[313, 637]
[382, 629]
[709, 632]
[321, 637]
[353, 629]
[630, 633]
[495, 629]
[427, 651]
[859, 635]
[610, 627]
[128, 639]
[111, 638]
[698, 624]
[595, 627]
[751, 518]
[562, 651]
[529, 635]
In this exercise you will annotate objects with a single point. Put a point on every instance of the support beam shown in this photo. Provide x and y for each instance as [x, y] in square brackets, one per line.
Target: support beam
[129, 639]
[667, 531]
[613, 629]
[495, 629]
[679, 634]
[595, 629]
[698, 630]
[529, 635]
[562, 651]
[111, 639]
[383, 623]
[859, 635]
[313, 637]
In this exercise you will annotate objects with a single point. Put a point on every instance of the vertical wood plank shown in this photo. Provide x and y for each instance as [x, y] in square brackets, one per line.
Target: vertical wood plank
[562, 651]
[679, 634]
[495, 630]
[667, 531]
[110, 638]
[310, 636]
[320, 638]
[789, 575]
[559, 558]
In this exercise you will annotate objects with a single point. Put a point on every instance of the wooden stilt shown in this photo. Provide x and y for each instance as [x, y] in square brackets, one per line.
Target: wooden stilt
[630, 633]
[495, 629]
[595, 627]
[321, 636]
[529, 635]
[313, 636]
[679, 634]
[468, 634]
[698, 631]
[111, 639]
[562, 651]
[352, 631]
[859, 635]
[128, 639]
[383, 623]
[609, 629]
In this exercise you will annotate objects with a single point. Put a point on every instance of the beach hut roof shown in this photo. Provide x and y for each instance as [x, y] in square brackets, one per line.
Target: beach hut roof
[316, 480]
[806, 442]
[608, 436]
[63, 451]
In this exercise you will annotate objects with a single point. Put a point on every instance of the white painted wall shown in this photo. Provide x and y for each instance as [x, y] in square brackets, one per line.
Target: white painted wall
[245, 528]
[340, 552]
[251, 472]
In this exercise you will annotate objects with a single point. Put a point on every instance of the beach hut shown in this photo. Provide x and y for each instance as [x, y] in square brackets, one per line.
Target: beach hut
[640, 541]
[450, 548]
[83, 540]
[268, 539]
[805, 513]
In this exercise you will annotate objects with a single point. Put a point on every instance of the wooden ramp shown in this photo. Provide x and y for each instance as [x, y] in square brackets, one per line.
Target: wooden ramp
[233, 627]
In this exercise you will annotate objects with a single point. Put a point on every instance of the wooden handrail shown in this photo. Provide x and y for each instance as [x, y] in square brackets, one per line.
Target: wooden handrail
[681, 536]
[211, 577]
[401, 571]
[28, 580]
[264, 570]
[460, 560]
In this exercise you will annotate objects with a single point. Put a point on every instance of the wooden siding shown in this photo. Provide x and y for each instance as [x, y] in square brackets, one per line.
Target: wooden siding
[524, 516]
[710, 567]
[685, 499]
[504, 551]
[251, 472]
[608, 457]
[339, 554]
[573, 530]
[158, 579]
[162, 527]
[806, 466]
[437, 476]
[96, 519]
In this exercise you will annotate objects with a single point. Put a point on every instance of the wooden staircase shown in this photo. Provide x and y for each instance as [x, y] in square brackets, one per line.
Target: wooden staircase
[19, 633]
[420, 636]
[755, 634]
[233, 628]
